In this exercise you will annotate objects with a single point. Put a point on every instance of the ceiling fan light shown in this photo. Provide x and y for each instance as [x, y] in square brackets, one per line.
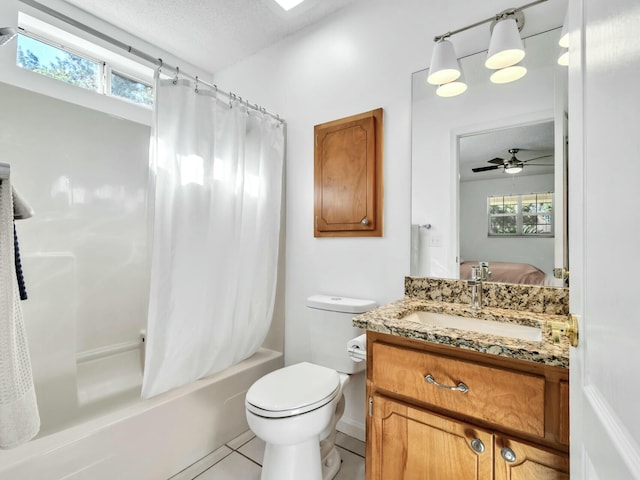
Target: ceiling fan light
[513, 169]
[505, 47]
[509, 74]
[444, 66]
[452, 89]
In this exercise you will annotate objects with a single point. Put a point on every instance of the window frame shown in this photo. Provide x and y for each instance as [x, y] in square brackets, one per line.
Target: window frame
[519, 217]
[105, 67]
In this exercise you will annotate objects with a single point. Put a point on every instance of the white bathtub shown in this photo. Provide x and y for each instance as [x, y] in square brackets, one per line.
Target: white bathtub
[139, 439]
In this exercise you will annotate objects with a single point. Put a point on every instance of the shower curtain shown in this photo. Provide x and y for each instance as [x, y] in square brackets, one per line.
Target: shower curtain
[215, 197]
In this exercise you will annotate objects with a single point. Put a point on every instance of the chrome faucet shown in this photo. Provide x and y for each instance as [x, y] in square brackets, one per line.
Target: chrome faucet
[476, 287]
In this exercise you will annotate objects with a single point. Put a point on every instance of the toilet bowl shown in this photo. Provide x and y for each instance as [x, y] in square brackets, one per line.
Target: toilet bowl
[295, 409]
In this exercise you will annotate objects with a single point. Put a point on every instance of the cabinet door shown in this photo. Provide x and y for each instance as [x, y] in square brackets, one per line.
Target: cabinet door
[348, 176]
[408, 443]
[516, 460]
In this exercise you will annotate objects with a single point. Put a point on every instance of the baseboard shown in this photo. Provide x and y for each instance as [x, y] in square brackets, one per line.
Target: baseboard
[352, 428]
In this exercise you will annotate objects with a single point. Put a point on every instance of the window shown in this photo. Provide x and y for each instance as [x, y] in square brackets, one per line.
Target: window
[44, 49]
[529, 215]
[56, 63]
[124, 87]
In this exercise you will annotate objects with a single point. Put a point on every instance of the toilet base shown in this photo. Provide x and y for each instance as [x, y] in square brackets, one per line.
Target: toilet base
[293, 462]
[331, 464]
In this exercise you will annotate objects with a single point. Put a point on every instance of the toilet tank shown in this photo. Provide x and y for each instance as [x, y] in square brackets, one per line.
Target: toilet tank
[331, 327]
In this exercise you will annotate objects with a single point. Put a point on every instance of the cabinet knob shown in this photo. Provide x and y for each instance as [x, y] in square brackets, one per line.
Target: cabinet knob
[477, 445]
[508, 454]
[365, 221]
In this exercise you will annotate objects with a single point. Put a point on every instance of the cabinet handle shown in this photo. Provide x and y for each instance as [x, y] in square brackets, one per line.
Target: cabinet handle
[508, 454]
[365, 221]
[461, 387]
[477, 445]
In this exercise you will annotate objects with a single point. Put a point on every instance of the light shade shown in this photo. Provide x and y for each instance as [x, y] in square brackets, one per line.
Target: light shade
[505, 48]
[444, 66]
[509, 74]
[451, 89]
[564, 35]
[516, 168]
[564, 59]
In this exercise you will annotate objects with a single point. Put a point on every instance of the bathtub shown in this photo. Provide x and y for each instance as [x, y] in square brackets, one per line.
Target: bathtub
[113, 434]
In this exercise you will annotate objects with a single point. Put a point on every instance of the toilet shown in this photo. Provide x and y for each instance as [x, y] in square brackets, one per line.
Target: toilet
[295, 409]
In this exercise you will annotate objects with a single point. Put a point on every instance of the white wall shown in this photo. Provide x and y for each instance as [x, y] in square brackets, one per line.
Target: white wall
[475, 244]
[359, 59]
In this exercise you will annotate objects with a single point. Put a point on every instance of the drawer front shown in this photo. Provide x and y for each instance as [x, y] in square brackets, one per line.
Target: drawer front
[504, 397]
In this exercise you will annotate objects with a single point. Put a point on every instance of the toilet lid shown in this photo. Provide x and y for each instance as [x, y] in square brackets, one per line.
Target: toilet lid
[293, 390]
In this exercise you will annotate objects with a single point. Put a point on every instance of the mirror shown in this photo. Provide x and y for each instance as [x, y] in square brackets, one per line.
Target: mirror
[453, 220]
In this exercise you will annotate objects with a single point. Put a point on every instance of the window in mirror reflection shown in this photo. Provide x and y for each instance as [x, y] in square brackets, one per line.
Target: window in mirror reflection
[528, 214]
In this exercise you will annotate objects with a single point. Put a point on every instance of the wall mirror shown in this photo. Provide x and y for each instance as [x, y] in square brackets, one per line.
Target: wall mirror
[465, 206]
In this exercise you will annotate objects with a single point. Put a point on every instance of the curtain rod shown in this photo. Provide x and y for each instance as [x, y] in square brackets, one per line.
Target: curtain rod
[144, 56]
[509, 11]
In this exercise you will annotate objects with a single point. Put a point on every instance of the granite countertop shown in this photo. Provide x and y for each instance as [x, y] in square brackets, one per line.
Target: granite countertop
[389, 319]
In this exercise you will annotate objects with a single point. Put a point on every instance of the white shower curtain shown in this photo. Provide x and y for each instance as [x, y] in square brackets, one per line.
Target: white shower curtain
[216, 189]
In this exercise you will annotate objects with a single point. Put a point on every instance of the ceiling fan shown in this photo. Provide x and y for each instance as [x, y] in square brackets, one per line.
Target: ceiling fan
[513, 165]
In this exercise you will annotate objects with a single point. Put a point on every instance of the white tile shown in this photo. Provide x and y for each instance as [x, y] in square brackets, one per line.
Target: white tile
[352, 467]
[201, 465]
[233, 467]
[254, 450]
[240, 440]
[349, 443]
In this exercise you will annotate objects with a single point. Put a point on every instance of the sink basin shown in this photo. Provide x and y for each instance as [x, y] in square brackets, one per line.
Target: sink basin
[491, 327]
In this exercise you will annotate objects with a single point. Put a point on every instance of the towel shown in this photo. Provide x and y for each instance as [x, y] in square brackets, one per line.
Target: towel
[19, 275]
[19, 417]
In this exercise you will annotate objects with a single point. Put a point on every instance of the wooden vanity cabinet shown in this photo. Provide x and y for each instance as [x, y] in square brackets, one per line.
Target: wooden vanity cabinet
[510, 423]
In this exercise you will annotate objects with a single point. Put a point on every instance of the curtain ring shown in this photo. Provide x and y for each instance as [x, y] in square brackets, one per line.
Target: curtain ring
[175, 78]
[160, 66]
[196, 89]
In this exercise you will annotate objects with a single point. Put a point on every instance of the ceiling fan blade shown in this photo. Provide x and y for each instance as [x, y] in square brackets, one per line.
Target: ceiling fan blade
[497, 161]
[484, 169]
[539, 164]
[535, 158]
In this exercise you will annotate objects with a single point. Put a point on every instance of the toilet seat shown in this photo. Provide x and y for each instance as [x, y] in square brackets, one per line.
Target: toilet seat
[293, 390]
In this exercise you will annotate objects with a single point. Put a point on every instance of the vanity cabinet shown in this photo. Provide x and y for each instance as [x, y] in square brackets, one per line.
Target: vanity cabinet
[477, 416]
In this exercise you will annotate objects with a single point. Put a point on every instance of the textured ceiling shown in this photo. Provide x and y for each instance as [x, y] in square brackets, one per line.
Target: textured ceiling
[210, 34]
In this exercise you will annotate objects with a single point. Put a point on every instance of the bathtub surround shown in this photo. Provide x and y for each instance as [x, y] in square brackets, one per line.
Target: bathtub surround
[19, 416]
[215, 198]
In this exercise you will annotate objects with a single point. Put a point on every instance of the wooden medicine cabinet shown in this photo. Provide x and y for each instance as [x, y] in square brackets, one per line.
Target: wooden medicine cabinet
[348, 176]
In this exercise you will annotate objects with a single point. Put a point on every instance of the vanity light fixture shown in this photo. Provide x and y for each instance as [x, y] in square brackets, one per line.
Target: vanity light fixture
[452, 89]
[445, 66]
[509, 74]
[505, 47]
[563, 59]
[445, 70]
[505, 53]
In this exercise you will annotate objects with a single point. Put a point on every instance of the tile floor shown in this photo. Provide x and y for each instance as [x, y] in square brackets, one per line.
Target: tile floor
[241, 459]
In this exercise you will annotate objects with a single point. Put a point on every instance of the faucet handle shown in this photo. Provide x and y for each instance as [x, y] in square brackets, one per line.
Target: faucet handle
[484, 271]
[476, 273]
